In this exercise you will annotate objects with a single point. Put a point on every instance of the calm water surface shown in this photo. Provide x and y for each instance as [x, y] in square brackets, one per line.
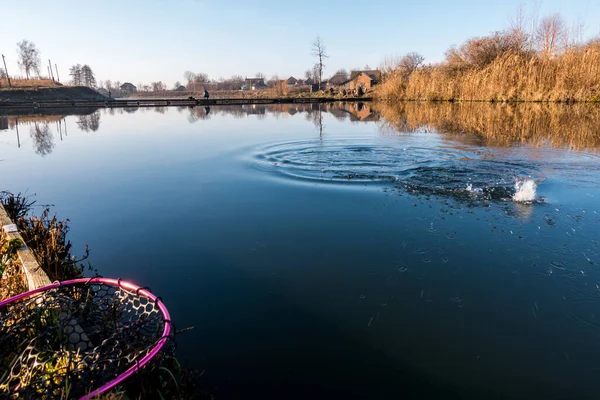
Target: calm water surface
[343, 251]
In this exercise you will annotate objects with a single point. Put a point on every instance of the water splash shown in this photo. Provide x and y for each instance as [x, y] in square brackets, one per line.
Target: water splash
[463, 173]
[525, 191]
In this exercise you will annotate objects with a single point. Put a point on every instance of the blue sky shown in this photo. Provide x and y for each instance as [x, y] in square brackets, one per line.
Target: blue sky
[151, 40]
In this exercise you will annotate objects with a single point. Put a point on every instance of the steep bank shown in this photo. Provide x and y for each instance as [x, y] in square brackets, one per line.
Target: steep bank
[50, 94]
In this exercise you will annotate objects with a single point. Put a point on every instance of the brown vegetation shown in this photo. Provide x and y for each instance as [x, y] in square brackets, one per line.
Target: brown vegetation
[28, 83]
[546, 64]
[503, 124]
[12, 279]
[46, 237]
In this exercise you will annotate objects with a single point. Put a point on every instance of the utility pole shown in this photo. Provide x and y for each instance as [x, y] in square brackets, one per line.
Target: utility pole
[50, 69]
[5, 70]
[57, 77]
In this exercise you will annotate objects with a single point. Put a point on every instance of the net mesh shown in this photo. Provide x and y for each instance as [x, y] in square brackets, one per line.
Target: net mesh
[67, 341]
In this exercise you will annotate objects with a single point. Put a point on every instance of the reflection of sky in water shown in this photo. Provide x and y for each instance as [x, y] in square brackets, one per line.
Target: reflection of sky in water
[332, 256]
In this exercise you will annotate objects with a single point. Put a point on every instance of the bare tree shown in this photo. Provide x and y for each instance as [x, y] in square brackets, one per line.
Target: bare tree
[273, 81]
[315, 73]
[76, 76]
[158, 86]
[409, 63]
[519, 31]
[3, 74]
[342, 73]
[87, 76]
[319, 51]
[189, 76]
[308, 74]
[201, 77]
[259, 75]
[29, 57]
[177, 84]
[550, 34]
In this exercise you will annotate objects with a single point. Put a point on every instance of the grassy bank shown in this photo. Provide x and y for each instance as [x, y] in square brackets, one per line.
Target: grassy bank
[73, 93]
[505, 66]
[28, 83]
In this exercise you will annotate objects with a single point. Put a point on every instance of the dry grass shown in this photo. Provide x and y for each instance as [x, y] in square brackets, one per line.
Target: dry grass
[534, 124]
[29, 83]
[572, 76]
[12, 280]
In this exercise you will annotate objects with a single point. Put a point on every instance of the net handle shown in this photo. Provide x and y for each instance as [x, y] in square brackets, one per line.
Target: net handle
[125, 285]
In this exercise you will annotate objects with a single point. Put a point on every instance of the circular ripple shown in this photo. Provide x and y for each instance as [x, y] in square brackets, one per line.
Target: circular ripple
[440, 170]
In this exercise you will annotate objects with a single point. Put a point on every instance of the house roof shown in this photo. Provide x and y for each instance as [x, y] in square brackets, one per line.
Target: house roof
[180, 88]
[128, 85]
[374, 74]
[338, 79]
[291, 79]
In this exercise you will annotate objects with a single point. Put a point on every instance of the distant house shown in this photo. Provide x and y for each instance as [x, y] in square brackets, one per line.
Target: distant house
[309, 82]
[300, 82]
[254, 84]
[338, 80]
[365, 79]
[180, 88]
[128, 88]
[291, 81]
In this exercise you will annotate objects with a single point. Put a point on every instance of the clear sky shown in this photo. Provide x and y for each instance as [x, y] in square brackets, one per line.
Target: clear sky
[151, 40]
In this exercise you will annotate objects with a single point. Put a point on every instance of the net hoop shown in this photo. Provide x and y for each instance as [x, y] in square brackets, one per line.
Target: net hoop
[124, 285]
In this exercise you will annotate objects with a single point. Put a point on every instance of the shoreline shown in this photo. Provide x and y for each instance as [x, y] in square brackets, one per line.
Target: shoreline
[171, 102]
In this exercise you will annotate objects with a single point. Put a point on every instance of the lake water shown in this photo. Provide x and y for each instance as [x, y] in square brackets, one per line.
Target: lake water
[343, 251]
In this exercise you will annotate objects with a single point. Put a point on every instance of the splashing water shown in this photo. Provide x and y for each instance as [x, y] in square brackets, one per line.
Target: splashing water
[461, 173]
[525, 191]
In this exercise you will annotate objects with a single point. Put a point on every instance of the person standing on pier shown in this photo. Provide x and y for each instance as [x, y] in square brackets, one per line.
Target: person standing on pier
[205, 94]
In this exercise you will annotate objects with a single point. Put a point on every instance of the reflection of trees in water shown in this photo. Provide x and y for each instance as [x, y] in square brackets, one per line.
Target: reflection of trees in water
[542, 125]
[89, 122]
[341, 111]
[42, 137]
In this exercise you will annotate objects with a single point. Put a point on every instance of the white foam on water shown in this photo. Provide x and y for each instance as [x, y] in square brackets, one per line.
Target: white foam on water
[525, 191]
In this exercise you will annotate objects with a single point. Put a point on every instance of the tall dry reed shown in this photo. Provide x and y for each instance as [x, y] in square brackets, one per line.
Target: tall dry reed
[573, 75]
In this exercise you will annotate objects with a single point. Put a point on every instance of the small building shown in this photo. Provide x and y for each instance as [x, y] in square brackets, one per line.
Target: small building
[180, 88]
[128, 88]
[300, 82]
[254, 84]
[309, 82]
[291, 81]
[365, 79]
